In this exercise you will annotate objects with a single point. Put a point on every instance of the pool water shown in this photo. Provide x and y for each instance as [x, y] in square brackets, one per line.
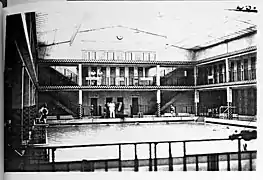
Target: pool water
[97, 134]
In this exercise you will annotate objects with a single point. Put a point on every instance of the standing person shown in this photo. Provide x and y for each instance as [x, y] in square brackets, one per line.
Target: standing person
[108, 109]
[91, 110]
[172, 110]
[105, 111]
[44, 112]
[112, 110]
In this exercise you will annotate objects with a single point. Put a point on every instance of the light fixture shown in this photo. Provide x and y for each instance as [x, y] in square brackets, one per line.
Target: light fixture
[119, 38]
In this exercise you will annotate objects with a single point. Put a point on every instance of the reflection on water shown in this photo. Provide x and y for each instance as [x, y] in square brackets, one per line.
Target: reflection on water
[96, 134]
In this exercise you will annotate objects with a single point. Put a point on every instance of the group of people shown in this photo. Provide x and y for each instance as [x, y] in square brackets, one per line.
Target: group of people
[111, 108]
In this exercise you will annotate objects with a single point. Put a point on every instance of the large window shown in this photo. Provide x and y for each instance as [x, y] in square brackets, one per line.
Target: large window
[101, 55]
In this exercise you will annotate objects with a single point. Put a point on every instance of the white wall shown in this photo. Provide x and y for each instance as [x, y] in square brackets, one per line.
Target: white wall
[231, 46]
[106, 40]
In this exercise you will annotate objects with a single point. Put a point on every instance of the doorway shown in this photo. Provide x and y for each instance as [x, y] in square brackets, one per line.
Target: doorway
[135, 105]
[94, 102]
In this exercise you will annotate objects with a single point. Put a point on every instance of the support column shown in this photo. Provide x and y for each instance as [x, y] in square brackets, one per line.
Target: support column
[136, 79]
[196, 102]
[107, 75]
[126, 74]
[229, 103]
[235, 72]
[143, 72]
[242, 69]
[26, 108]
[212, 69]
[80, 75]
[29, 92]
[158, 75]
[224, 72]
[22, 101]
[218, 73]
[117, 76]
[99, 76]
[227, 71]
[158, 94]
[195, 75]
[80, 105]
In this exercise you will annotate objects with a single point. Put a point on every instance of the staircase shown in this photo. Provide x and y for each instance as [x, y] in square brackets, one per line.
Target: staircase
[174, 98]
[64, 108]
[50, 76]
[70, 75]
[65, 101]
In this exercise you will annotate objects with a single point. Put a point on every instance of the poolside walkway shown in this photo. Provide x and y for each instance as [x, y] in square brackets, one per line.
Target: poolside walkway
[248, 124]
[149, 119]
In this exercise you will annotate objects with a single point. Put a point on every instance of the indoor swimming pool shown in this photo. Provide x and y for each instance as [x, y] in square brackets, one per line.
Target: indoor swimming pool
[121, 133]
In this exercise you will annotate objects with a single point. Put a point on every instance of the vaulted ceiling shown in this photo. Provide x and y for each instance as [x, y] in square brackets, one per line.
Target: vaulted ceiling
[185, 25]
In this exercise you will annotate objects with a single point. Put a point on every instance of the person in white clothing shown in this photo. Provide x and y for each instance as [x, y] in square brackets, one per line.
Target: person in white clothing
[112, 110]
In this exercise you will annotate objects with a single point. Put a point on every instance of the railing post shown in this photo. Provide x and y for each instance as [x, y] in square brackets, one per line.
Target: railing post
[196, 163]
[136, 163]
[239, 155]
[228, 162]
[106, 166]
[155, 156]
[250, 161]
[150, 157]
[184, 158]
[53, 159]
[170, 158]
[120, 168]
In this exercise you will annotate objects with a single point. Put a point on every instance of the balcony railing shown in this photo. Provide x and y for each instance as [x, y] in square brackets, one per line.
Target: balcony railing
[235, 76]
[247, 74]
[173, 81]
[120, 81]
[211, 79]
[147, 160]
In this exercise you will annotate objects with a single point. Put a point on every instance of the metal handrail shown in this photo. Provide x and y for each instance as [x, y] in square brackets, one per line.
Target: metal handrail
[123, 143]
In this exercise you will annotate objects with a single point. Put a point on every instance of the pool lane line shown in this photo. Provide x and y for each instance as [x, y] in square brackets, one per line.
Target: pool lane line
[120, 122]
[229, 124]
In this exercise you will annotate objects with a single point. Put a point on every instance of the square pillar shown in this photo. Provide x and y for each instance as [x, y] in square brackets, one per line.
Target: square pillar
[229, 103]
[80, 111]
[227, 70]
[29, 92]
[22, 102]
[218, 73]
[107, 75]
[195, 75]
[117, 76]
[136, 78]
[143, 72]
[158, 75]
[224, 72]
[212, 69]
[80, 74]
[126, 74]
[158, 102]
[99, 75]
[196, 102]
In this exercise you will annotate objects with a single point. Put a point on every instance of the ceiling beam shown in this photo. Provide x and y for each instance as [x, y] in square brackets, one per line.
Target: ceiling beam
[29, 48]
